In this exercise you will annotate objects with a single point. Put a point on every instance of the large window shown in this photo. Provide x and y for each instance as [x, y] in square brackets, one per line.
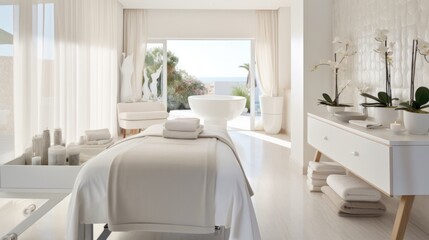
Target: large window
[6, 83]
[200, 67]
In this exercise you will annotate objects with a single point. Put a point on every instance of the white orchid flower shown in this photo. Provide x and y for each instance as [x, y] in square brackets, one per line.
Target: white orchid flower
[423, 47]
[337, 40]
[381, 35]
[363, 87]
[381, 49]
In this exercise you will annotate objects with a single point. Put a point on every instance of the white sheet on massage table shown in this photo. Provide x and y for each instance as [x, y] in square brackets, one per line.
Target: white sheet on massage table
[88, 203]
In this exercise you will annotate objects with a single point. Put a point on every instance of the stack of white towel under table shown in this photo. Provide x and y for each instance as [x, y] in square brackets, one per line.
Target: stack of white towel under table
[351, 197]
[318, 172]
[182, 128]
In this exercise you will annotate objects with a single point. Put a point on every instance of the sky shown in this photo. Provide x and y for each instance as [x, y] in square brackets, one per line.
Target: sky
[211, 58]
[6, 23]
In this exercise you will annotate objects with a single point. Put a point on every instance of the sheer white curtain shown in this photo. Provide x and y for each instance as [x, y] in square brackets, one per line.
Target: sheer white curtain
[135, 41]
[65, 67]
[266, 50]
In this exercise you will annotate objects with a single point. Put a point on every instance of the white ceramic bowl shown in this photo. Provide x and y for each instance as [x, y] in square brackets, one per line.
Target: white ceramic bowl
[216, 110]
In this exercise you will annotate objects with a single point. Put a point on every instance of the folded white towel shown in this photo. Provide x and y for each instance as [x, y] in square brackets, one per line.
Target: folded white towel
[99, 142]
[365, 123]
[98, 134]
[182, 124]
[351, 188]
[317, 175]
[313, 188]
[181, 134]
[326, 167]
[316, 183]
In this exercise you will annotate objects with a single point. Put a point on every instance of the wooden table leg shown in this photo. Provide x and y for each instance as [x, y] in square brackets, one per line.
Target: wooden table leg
[317, 156]
[402, 216]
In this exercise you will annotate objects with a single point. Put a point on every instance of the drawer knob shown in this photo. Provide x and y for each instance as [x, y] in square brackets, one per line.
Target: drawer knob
[354, 153]
[325, 138]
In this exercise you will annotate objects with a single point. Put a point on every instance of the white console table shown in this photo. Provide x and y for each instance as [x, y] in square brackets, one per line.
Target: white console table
[395, 164]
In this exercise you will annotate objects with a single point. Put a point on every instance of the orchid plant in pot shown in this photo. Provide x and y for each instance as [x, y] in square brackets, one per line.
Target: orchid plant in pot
[342, 53]
[384, 111]
[416, 120]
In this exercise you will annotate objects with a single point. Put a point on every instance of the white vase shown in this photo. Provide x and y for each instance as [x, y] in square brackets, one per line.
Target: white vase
[334, 109]
[416, 123]
[272, 113]
[385, 115]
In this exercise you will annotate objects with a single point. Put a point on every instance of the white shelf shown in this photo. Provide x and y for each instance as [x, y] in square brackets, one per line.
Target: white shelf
[16, 176]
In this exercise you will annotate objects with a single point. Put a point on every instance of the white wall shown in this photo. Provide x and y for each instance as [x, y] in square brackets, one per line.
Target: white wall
[311, 37]
[405, 19]
[223, 24]
[284, 63]
[213, 24]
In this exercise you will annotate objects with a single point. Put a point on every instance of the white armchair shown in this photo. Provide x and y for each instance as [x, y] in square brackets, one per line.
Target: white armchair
[140, 115]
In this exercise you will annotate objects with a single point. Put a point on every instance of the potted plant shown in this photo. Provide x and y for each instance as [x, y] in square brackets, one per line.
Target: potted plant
[341, 55]
[384, 111]
[416, 120]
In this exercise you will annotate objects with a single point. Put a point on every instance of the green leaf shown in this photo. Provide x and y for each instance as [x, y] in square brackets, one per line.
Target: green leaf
[371, 97]
[373, 104]
[327, 97]
[323, 102]
[383, 97]
[422, 95]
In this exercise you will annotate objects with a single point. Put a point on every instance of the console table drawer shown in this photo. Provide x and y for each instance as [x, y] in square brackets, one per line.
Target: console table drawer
[365, 158]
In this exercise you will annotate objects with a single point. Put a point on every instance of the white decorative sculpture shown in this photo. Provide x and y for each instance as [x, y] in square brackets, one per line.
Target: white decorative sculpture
[146, 90]
[153, 86]
[127, 69]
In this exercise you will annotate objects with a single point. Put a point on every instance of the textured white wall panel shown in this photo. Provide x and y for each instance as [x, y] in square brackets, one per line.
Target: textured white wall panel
[406, 20]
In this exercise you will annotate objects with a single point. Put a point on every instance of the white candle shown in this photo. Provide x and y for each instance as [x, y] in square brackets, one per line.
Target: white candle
[395, 127]
[37, 160]
[58, 136]
[57, 155]
[74, 152]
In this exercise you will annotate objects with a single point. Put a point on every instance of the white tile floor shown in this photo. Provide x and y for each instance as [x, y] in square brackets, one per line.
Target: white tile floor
[284, 207]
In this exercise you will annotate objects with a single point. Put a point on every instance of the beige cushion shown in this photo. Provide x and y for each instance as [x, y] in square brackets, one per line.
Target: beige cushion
[137, 116]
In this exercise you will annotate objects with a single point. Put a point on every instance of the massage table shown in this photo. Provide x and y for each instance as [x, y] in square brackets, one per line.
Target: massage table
[233, 206]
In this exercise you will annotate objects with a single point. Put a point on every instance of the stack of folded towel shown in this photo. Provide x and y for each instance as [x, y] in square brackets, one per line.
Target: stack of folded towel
[98, 137]
[182, 128]
[318, 172]
[351, 197]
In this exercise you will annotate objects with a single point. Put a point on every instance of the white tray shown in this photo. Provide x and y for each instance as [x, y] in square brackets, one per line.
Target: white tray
[16, 175]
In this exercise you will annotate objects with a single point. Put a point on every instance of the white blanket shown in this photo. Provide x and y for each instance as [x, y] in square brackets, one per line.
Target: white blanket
[233, 206]
[182, 200]
[350, 188]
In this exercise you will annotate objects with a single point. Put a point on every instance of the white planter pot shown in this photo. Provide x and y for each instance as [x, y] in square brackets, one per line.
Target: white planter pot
[334, 109]
[416, 123]
[272, 113]
[385, 115]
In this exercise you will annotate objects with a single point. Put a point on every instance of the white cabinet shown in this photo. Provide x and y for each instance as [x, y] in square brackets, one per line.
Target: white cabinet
[396, 164]
[365, 158]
